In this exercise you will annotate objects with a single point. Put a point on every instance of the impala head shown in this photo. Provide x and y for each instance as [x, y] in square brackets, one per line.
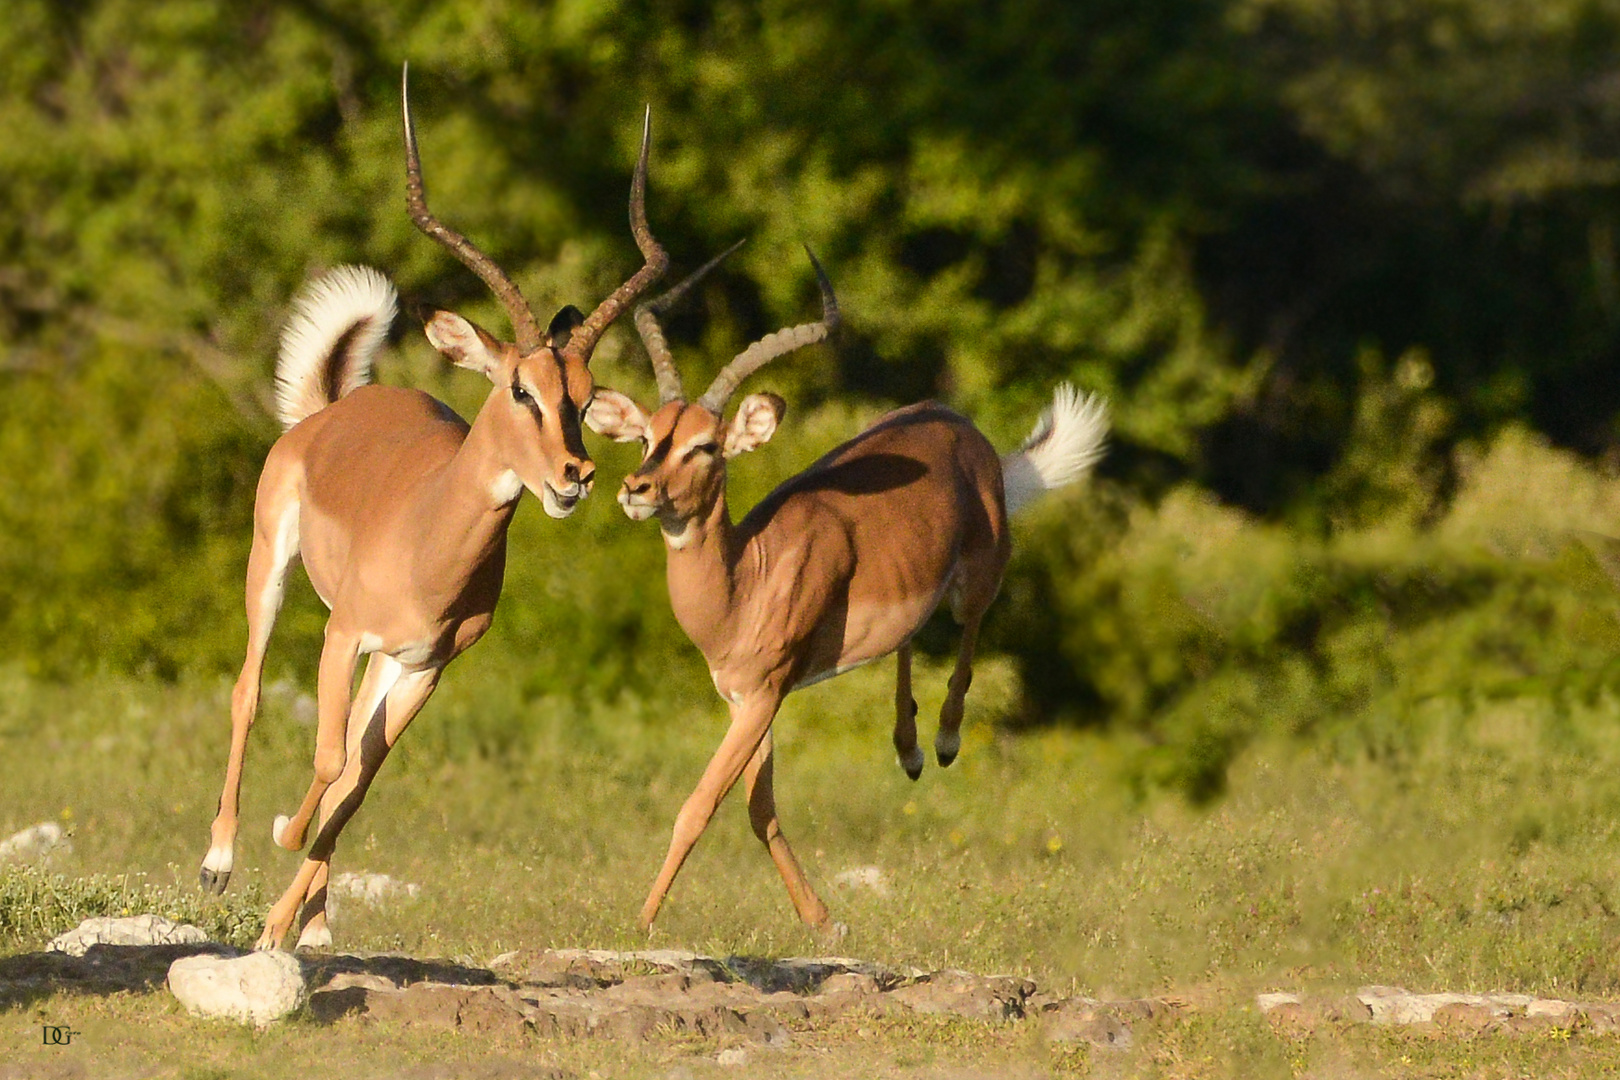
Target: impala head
[684, 451]
[685, 446]
[534, 409]
[542, 381]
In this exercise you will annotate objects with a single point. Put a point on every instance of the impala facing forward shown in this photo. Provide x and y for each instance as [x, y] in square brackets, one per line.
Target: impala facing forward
[838, 566]
[399, 512]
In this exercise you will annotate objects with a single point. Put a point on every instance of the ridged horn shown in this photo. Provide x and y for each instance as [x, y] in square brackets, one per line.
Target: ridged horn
[771, 346]
[652, 334]
[584, 339]
[524, 325]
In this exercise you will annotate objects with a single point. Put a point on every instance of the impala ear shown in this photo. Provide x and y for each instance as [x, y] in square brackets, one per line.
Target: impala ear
[563, 325]
[754, 423]
[465, 344]
[613, 414]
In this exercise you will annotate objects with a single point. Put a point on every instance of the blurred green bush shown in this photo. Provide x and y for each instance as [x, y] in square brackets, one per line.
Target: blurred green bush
[1331, 261]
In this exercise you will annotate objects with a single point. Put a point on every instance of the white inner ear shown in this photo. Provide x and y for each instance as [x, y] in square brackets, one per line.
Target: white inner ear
[460, 341]
[753, 425]
[616, 416]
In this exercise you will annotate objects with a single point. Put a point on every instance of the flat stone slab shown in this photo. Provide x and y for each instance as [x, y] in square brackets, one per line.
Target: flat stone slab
[129, 930]
[1461, 1013]
[600, 993]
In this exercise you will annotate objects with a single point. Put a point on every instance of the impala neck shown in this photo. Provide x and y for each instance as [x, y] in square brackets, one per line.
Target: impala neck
[708, 578]
[468, 507]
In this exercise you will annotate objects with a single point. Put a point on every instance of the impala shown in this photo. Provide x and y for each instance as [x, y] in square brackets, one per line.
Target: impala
[840, 565]
[399, 510]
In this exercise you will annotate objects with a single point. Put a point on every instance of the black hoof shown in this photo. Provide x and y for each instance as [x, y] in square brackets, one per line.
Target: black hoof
[212, 882]
[945, 759]
[915, 774]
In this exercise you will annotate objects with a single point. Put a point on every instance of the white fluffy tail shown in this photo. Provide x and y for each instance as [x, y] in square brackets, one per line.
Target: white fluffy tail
[338, 323]
[1067, 441]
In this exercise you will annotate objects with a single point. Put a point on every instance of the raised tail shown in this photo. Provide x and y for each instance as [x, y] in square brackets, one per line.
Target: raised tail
[338, 323]
[1068, 439]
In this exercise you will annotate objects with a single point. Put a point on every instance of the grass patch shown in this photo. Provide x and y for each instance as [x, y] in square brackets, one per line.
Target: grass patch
[36, 905]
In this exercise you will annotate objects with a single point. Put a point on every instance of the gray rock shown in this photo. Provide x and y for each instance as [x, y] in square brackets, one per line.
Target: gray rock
[36, 842]
[1081, 1020]
[961, 993]
[1396, 1005]
[130, 930]
[373, 890]
[864, 877]
[1268, 1002]
[253, 989]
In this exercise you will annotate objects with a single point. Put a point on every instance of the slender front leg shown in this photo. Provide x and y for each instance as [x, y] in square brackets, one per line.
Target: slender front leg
[750, 720]
[266, 579]
[399, 708]
[759, 779]
[335, 711]
[905, 715]
[948, 740]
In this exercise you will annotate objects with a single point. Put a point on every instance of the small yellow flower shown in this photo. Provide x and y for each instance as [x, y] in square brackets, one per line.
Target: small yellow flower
[909, 809]
[67, 813]
[1054, 844]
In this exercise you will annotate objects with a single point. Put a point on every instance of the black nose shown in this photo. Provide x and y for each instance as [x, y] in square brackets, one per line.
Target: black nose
[571, 472]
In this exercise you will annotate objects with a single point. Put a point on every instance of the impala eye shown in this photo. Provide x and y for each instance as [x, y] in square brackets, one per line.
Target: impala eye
[521, 396]
[705, 448]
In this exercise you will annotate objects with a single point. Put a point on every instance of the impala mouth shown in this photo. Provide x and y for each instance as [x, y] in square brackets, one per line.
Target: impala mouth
[635, 509]
[557, 504]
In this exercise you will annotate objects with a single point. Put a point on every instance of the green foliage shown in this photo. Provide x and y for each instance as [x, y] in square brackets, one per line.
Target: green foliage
[1202, 628]
[1224, 214]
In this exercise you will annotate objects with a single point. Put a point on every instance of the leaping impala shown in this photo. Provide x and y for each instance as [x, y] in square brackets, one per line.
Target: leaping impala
[840, 565]
[399, 511]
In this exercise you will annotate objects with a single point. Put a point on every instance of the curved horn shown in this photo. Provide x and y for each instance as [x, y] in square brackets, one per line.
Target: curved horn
[583, 341]
[523, 323]
[652, 335]
[771, 346]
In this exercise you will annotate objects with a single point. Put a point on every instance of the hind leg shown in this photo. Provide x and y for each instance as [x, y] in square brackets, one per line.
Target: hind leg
[760, 778]
[948, 740]
[975, 589]
[905, 715]
[275, 545]
[343, 798]
[313, 931]
[335, 742]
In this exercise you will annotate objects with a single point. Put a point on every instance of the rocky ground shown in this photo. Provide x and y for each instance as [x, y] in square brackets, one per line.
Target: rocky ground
[631, 995]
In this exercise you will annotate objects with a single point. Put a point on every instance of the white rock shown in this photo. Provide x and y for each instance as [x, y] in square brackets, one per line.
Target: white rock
[36, 842]
[370, 889]
[1395, 1005]
[1267, 1002]
[734, 1056]
[864, 877]
[131, 930]
[254, 989]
